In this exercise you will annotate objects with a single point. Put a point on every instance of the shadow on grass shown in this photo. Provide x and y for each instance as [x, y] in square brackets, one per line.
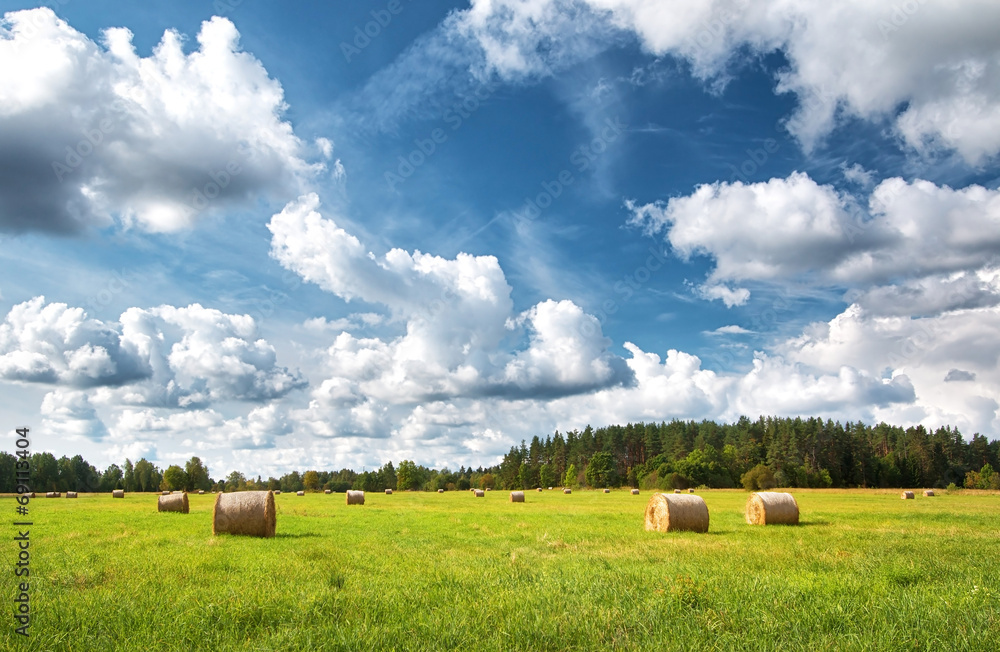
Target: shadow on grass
[301, 535]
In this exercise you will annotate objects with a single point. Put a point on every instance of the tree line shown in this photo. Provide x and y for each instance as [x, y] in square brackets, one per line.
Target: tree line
[769, 452]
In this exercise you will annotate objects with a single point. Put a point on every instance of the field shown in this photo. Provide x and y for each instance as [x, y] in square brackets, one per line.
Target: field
[426, 571]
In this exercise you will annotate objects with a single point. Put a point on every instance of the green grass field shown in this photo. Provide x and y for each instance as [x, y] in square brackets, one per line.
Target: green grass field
[426, 571]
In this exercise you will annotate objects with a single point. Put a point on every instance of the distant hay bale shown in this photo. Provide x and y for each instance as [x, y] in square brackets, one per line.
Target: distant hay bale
[388, 492]
[677, 491]
[550, 488]
[355, 498]
[300, 493]
[440, 491]
[673, 513]
[172, 503]
[907, 495]
[928, 492]
[277, 492]
[772, 508]
[201, 492]
[691, 491]
[489, 488]
[31, 495]
[567, 491]
[480, 493]
[52, 494]
[328, 491]
[71, 494]
[635, 492]
[539, 489]
[607, 491]
[164, 493]
[517, 496]
[248, 513]
[118, 493]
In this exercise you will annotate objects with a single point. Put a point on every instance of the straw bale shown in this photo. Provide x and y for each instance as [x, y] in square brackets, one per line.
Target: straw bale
[567, 491]
[249, 513]
[607, 491]
[772, 508]
[673, 513]
[635, 492]
[440, 491]
[928, 492]
[691, 490]
[172, 503]
[480, 493]
[677, 491]
[71, 494]
[907, 495]
[539, 489]
[355, 498]
[118, 493]
[328, 491]
[388, 492]
[52, 494]
[300, 493]
[201, 492]
[517, 496]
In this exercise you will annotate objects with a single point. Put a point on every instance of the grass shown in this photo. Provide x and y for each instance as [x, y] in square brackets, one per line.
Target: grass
[426, 571]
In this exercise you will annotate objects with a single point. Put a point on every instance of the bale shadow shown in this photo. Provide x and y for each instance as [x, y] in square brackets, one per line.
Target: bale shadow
[303, 535]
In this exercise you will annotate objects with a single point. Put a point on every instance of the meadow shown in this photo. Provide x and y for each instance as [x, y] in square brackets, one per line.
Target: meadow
[425, 571]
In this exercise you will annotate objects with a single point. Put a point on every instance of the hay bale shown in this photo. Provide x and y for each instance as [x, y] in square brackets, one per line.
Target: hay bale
[31, 495]
[440, 491]
[52, 494]
[772, 508]
[328, 491]
[677, 491]
[539, 489]
[673, 513]
[479, 493]
[248, 513]
[118, 493]
[164, 493]
[567, 491]
[201, 492]
[388, 492]
[607, 491]
[489, 488]
[300, 493]
[635, 492]
[907, 495]
[355, 497]
[71, 494]
[517, 496]
[928, 492]
[691, 491]
[173, 503]
[277, 492]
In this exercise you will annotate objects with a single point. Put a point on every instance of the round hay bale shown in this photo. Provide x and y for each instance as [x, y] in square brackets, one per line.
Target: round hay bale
[52, 494]
[277, 492]
[300, 493]
[440, 491]
[928, 492]
[355, 498]
[388, 492]
[550, 488]
[907, 495]
[567, 491]
[517, 496]
[328, 491]
[118, 493]
[480, 493]
[164, 493]
[489, 488]
[172, 503]
[772, 508]
[249, 513]
[607, 491]
[201, 492]
[71, 494]
[691, 491]
[539, 489]
[31, 495]
[677, 491]
[635, 492]
[673, 513]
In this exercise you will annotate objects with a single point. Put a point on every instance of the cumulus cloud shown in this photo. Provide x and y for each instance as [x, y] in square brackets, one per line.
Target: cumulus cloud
[90, 133]
[204, 430]
[796, 230]
[931, 68]
[163, 356]
[70, 415]
[462, 337]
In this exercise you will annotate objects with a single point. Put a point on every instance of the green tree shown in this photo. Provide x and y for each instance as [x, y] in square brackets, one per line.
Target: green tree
[569, 480]
[197, 475]
[311, 481]
[601, 470]
[547, 476]
[129, 476]
[759, 478]
[112, 478]
[174, 478]
[407, 476]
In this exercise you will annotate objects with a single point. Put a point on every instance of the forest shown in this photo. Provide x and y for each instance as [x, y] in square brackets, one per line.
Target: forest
[762, 454]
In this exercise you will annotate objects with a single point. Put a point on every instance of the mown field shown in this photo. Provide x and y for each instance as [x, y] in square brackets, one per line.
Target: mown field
[425, 571]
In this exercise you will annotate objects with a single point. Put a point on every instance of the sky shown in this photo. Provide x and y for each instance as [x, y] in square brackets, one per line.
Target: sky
[353, 232]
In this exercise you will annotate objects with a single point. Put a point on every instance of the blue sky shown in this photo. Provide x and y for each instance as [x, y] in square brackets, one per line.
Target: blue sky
[278, 243]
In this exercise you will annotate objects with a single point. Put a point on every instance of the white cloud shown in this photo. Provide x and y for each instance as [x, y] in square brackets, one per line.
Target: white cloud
[90, 134]
[794, 230]
[70, 415]
[204, 430]
[731, 329]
